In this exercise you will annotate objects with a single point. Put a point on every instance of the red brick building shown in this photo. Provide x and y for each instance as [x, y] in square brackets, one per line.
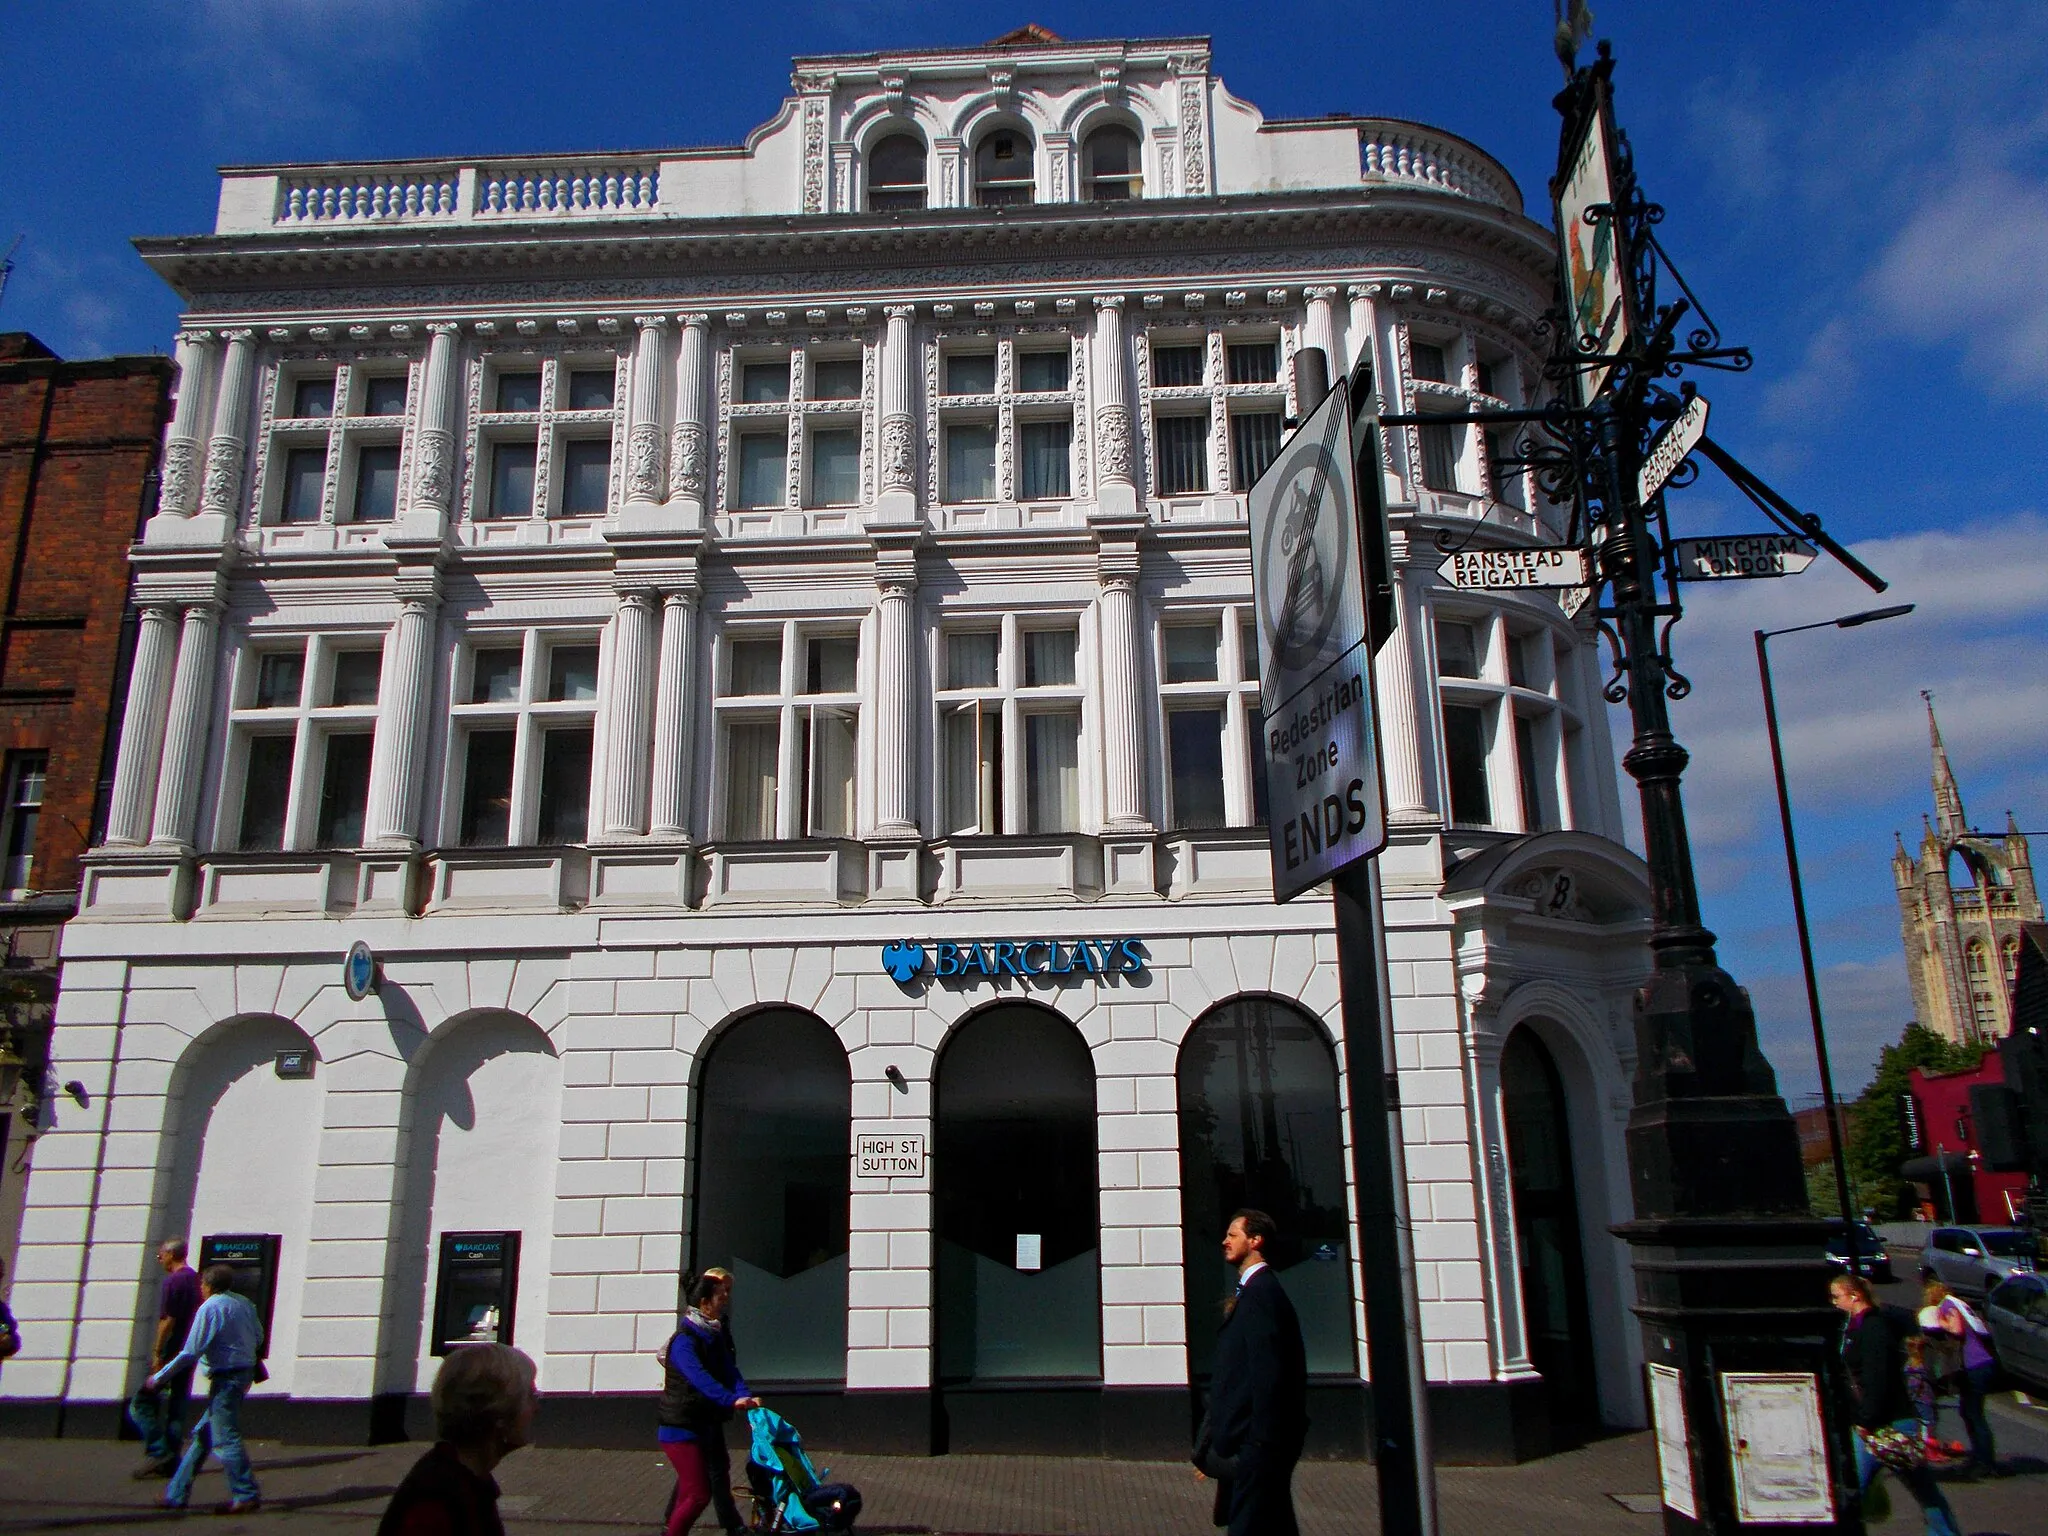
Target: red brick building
[78, 459]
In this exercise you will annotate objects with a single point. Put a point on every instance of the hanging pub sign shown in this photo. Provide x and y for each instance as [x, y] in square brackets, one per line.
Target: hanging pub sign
[1320, 747]
[252, 1258]
[1590, 246]
[476, 1291]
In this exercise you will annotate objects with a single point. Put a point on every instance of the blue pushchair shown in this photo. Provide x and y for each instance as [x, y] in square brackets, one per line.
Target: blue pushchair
[789, 1493]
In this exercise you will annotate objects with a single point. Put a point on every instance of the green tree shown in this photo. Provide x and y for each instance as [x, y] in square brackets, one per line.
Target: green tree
[1876, 1143]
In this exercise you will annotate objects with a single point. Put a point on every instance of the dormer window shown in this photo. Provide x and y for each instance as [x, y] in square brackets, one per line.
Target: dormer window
[896, 175]
[1003, 173]
[1112, 166]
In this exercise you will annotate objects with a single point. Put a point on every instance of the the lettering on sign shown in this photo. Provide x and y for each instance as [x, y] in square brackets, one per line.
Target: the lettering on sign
[889, 1157]
[1314, 745]
[1741, 555]
[1548, 566]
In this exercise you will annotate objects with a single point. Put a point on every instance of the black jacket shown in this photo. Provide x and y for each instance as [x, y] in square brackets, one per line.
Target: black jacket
[442, 1497]
[1872, 1351]
[1258, 1399]
[704, 1404]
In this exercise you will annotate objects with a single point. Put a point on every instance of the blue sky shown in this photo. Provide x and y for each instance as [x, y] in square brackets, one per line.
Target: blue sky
[1860, 193]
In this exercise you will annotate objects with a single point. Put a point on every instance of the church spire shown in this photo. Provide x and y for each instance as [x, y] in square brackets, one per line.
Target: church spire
[1948, 800]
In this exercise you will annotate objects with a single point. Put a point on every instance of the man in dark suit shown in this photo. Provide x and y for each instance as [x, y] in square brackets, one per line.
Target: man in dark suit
[1258, 1399]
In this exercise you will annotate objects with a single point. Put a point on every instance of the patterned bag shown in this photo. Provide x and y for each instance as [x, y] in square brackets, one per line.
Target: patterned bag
[1894, 1448]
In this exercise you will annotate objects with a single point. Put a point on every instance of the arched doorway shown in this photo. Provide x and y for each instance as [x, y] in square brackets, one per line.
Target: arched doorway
[1014, 1186]
[1547, 1228]
[774, 1135]
[1260, 1127]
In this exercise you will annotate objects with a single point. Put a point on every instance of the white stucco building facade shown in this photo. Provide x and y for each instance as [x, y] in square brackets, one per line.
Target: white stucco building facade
[630, 592]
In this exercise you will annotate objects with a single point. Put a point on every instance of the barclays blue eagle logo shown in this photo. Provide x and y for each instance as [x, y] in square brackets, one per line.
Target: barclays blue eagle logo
[903, 961]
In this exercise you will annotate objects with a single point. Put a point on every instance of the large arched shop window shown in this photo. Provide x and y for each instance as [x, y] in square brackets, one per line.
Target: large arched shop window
[1259, 1127]
[1554, 1307]
[896, 175]
[774, 1126]
[1013, 1164]
[1003, 172]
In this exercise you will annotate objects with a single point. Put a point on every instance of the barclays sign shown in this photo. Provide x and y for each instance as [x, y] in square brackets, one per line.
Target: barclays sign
[947, 960]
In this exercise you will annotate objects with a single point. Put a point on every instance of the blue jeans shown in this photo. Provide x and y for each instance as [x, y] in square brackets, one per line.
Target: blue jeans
[1941, 1520]
[220, 1431]
[160, 1415]
[1970, 1393]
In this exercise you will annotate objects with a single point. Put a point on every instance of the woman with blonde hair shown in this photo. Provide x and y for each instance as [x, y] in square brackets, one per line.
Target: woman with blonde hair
[1951, 1315]
[484, 1403]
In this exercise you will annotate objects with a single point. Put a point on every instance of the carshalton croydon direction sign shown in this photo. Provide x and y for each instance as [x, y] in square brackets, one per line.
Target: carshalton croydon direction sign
[1671, 447]
[1740, 556]
[1321, 759]
[1550, 565]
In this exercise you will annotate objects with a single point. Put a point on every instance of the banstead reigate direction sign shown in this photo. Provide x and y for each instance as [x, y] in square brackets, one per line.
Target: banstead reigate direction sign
[1551, 565]
[1741, 556]
[1325, 806]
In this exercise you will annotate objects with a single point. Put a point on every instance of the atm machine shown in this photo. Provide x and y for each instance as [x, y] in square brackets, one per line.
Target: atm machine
[253, 1258]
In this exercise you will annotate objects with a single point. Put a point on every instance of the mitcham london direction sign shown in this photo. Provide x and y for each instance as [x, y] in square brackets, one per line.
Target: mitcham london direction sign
[1552, 565]
[1321, 749]
[1740, 556]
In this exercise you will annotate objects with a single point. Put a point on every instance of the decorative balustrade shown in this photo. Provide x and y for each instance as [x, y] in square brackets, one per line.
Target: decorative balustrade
[540, 191]
[1391, 151]
[590, 186]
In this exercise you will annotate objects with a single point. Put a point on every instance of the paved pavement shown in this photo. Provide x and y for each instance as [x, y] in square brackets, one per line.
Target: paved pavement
[1604, 1489]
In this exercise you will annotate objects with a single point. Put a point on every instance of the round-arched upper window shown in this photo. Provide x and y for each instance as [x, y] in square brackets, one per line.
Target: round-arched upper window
[896, 176]
[1112, 169]
[1003, 172]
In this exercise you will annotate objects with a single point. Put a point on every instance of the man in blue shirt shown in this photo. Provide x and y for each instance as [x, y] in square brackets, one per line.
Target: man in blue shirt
[227, 1334]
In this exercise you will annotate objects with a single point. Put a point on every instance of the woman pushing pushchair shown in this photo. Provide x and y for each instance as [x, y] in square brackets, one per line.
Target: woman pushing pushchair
[701, 1389]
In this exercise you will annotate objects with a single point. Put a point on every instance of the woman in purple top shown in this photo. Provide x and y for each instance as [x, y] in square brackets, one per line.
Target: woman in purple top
[1955, 1318]
[701, 1388]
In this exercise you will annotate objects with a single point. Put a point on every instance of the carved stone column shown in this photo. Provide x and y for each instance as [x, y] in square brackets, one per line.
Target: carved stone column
[646, 484]
[690, 445]
[897, 487]
[626, 716]
[190, 717]
[184, 443]
[433, 443]
[895, 689]
[674, 698]
[393, 818]
[1318, 330]
[1115, 459]
[133, 802]
[1123, 728]
[228, 446]
[1407, 732]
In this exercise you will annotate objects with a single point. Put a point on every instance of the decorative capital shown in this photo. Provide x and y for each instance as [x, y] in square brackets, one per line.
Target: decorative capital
[900, 311]
[651, 322]
[1109, 301]
[639, 599]
[1365, 290]
[446, 328]
[694, 320]
[1320, 295]
[243, 335]
[195, 338]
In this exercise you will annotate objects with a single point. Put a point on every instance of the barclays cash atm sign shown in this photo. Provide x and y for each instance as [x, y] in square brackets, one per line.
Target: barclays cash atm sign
[945, 960]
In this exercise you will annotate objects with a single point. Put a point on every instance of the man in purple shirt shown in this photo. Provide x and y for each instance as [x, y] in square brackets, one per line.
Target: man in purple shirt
[159, 1412]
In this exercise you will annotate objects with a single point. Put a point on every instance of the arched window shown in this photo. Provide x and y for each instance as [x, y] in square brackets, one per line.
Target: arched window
[1983, 988]
[1003, 173]
[1111, 167]
[1259, 1128]
[2010, 961]
[774, 1122]
[896, 176]
[1014, 1190]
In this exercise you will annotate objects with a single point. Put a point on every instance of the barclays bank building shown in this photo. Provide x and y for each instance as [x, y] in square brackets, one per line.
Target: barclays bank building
[756, 643]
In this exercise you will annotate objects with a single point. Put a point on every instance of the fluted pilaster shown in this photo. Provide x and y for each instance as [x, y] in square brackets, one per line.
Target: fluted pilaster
[895, 717]
[433, 448]
[1123, 728]
[395, 757]
[672, 702]
[228, 446]
[189, 718]
[646, 481]
[1319, 330]
[690, 444]
[133, 803]
[626, 714]
[1402, 722]
[184, 442]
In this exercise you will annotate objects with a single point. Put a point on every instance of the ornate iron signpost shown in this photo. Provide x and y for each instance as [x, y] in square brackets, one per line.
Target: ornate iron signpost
[1744, 1379]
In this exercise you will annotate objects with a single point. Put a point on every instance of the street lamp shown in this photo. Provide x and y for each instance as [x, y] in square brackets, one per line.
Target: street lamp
[1820, 1039]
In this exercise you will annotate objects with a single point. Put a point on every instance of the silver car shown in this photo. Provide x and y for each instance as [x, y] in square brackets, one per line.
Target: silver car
[1971, 1260]
[2017, 1315]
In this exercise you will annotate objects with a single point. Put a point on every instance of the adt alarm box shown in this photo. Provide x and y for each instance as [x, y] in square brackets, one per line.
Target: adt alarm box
[253, 1258]
[478, 1287]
